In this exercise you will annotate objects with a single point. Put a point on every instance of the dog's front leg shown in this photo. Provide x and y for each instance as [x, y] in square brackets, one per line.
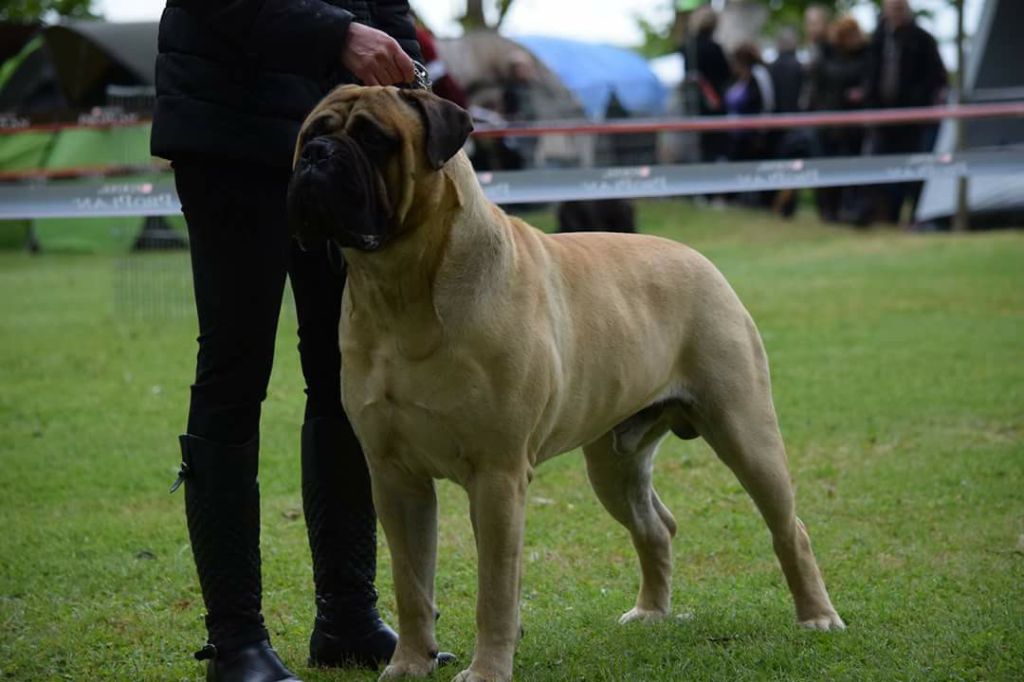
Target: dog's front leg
[407, 508]
[497, 503]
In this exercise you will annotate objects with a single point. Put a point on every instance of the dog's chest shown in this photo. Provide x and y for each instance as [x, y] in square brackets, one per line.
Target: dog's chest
[417, 410]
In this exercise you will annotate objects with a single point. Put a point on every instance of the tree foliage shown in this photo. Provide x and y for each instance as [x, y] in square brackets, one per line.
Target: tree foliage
[657, 40]
[29, 11]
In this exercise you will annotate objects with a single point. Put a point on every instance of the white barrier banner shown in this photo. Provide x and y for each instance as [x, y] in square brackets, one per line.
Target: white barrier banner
[154, 194]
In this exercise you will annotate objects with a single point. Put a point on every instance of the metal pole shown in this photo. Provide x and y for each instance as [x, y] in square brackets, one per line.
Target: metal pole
[961, 221]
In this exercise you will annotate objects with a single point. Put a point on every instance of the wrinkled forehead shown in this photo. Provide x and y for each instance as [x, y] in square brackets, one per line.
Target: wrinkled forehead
[345, 102]
[340, 101]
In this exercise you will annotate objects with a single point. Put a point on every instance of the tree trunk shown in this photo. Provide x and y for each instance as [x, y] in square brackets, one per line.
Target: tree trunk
[474, 17]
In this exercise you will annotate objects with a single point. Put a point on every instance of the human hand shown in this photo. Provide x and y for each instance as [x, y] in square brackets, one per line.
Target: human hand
[375, 58]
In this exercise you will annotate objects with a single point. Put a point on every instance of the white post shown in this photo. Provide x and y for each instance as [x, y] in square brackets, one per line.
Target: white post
[961, 221]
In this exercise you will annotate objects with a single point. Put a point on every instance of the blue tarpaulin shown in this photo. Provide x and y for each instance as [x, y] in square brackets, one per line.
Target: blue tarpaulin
[594, 72]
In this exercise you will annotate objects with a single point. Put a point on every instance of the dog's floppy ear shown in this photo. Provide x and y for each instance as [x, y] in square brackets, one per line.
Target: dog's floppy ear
[446, 125]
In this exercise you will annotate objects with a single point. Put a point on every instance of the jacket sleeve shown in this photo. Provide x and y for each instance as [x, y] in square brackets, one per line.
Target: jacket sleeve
[278, 30]
[719, 73]
[940, 77]
[392, 17]
[924, 89]
[873, 71]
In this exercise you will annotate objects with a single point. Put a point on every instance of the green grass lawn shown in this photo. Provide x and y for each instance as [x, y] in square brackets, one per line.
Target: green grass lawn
[898, 365]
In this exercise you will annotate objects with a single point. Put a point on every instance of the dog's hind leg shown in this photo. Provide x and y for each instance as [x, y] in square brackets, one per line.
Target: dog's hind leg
[620, 465]
[738, 420]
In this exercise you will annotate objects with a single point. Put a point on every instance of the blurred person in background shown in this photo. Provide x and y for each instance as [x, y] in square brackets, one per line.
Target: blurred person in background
[904, 70]
[750, 95]
[838, 85]
[518, 87]
[235, 79]
[787, 73]
[816, 23]
[708, 69]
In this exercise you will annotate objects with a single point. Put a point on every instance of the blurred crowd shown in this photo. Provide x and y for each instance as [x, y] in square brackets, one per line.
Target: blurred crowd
[835, 67]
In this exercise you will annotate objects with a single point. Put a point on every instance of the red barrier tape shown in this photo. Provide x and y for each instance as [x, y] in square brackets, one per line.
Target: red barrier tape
[769, 121]
[74, 172]
[58, 127]
[702, 124]
[691, 124]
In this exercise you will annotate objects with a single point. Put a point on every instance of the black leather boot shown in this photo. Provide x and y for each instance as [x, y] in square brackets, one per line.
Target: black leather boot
[222, 506]
[342, 526]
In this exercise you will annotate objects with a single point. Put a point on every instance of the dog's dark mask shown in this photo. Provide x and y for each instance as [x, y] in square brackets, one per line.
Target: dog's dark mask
[338, 189]
[335, 194]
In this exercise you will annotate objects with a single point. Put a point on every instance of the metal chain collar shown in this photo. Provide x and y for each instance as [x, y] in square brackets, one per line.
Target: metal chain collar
[422, 79]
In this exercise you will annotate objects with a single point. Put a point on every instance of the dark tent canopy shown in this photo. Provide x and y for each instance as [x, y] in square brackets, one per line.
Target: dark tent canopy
[90, 55]
[13, 37]
[77, 62]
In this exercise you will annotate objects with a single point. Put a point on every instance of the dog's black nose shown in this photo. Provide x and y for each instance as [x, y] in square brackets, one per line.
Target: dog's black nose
[318, 149]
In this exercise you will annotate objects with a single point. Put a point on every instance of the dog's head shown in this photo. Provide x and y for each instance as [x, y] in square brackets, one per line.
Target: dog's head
[363, 157]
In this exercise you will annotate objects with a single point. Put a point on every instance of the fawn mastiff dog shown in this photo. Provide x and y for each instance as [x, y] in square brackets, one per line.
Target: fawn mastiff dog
[475, 347]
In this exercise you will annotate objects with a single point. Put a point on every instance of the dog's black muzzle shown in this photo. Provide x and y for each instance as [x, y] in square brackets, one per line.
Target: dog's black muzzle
[334, 194]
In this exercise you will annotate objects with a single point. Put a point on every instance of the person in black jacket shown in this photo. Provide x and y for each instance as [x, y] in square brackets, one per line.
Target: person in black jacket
[235, 79]
[817, 18]
[905, 70]
[788, 76]
[751, 94]
[838, 85]
[708, 65]
[787, 73]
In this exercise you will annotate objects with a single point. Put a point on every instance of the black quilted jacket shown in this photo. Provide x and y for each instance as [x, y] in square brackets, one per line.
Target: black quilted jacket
[235, 78]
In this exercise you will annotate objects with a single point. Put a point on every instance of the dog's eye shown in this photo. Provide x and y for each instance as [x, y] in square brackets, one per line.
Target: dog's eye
[318, 128]
[372, 137]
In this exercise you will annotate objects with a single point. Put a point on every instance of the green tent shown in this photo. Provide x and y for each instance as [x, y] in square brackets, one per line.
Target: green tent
[76, 148]
[90, 62]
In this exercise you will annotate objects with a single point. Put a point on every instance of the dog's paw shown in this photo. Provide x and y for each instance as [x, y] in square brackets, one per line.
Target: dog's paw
[641, 615]
[825, 622]
[396, 670]
[470, 675]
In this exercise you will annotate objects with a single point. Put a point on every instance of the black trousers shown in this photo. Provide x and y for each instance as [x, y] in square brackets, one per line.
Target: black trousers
[241, 253]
